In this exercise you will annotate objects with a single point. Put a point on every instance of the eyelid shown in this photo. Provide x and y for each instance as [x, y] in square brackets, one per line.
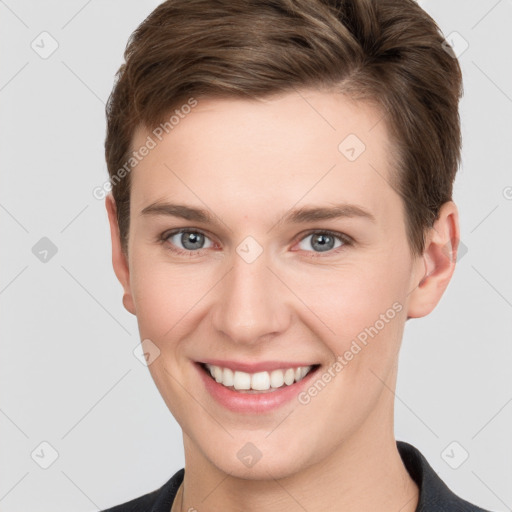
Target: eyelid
[346, 239]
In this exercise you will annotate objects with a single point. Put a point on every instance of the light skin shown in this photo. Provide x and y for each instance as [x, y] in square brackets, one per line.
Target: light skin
[249, 163]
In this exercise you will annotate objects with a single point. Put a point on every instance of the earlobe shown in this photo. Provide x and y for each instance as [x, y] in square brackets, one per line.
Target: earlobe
[119, 259]
[128, 303]
[439, 259]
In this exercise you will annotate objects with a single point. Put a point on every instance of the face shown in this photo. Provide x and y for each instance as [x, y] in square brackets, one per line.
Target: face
[303, 262]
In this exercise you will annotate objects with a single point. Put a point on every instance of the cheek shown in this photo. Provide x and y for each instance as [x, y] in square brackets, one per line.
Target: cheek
[349, 297]
[166, 296]
[358, 311]
[167, 299]
[363, 308]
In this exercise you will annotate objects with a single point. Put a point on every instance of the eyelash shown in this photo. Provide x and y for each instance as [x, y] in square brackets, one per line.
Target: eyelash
[164, 240]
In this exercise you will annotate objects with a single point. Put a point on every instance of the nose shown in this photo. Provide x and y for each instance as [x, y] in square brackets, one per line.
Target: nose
[251, 302]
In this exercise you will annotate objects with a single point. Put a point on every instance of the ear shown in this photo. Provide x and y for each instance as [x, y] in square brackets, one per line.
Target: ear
[119, 258]
[439, 257]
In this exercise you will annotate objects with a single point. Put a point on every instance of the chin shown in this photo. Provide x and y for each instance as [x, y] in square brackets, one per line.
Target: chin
[252, 461]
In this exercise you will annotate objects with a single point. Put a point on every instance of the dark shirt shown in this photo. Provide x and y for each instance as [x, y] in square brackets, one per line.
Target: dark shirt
[434, 495]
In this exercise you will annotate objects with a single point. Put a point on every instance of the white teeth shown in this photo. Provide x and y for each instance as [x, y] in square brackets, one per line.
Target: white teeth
[217, 373]
[242, 380]
[260, 381]
[289, 376]
[228, 377]
[276, 378]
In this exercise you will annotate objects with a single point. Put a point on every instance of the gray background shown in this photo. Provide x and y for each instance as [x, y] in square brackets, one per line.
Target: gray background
[68, 373]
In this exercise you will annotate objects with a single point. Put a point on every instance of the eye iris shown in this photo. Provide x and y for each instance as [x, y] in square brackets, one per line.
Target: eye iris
[324, 245]
[191, 238]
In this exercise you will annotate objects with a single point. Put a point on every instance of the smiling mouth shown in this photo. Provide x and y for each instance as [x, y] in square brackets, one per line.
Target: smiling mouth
[259, 382]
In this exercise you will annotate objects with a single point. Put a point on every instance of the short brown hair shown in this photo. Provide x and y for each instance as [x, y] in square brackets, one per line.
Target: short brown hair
[388, 52]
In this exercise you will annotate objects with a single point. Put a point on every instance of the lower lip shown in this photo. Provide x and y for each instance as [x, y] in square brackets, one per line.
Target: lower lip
[253, 402]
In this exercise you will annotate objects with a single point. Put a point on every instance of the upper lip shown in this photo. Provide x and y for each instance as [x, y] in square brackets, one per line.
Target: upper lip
[256, 367]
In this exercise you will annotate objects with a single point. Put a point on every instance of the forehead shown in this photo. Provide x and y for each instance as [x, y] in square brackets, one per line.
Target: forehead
[302, 147]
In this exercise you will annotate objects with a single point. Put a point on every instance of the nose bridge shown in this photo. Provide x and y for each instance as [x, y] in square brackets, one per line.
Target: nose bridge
[250, 302]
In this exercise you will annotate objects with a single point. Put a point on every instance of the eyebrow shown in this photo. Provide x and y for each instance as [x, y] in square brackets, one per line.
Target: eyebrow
[297, 216]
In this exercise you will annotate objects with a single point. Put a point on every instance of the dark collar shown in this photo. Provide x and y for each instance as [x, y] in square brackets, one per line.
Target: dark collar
[435, 496]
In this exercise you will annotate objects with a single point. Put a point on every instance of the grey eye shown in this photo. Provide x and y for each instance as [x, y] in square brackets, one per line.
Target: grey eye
[321, 242]
[189, 240]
